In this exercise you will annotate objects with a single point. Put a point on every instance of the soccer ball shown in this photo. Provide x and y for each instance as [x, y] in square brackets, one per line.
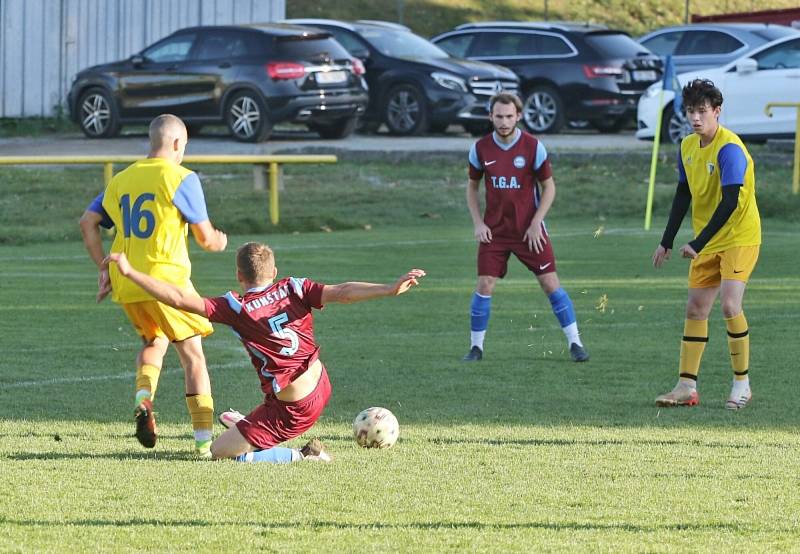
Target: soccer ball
[376, 428]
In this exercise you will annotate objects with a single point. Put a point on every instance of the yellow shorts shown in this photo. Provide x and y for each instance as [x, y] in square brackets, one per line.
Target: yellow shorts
[153, 319]
[737, 263]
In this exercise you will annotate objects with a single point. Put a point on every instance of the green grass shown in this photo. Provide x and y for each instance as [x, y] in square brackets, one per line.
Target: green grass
[374, 194]
[35, 126]
[523, 452]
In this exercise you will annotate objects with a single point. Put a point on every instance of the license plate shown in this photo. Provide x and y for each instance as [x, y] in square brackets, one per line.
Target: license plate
[646, 75]
[330, 77]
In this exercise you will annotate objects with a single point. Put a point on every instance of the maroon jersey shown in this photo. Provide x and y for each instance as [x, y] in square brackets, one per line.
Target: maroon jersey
[511, 177]
[276, 326]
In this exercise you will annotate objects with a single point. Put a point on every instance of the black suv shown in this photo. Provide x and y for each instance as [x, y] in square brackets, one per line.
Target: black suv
[568, 71]
[415, 86]
[249, 77]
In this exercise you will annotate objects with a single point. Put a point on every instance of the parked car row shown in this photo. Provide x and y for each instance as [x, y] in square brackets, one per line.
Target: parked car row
[751, 63]
[414, 85]
[328, 76]
[335, 76]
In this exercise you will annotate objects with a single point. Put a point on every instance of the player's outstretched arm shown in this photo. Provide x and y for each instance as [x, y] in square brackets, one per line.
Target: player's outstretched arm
[161, 291]
[347, 293]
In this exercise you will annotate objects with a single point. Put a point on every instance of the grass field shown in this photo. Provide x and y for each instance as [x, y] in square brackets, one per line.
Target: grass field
[523, 452]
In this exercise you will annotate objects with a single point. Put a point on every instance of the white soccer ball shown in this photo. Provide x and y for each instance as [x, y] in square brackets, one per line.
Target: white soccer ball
[376, 428]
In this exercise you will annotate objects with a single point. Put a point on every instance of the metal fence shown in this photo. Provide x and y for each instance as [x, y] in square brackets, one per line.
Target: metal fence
[44, 43]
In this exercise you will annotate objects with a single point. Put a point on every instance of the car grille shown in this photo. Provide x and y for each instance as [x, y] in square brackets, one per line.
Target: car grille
[490, 87]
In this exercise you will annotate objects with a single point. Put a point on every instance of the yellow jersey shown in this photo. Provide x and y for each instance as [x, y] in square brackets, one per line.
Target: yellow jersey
[725, 161]
[151, 203]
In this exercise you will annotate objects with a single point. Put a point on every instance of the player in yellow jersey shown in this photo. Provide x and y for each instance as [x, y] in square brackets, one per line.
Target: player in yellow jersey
[715, 175]
[153, 204]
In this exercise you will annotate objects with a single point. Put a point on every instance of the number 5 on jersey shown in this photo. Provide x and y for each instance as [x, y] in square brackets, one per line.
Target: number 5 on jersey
[132, 216]
[276, 324]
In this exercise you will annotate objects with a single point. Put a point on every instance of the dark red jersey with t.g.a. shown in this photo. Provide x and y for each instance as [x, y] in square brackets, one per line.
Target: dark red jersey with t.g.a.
[276, 326]
[511, 176]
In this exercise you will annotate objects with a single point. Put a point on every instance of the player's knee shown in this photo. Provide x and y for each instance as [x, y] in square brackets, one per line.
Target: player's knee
[486, 285]
[731, 307]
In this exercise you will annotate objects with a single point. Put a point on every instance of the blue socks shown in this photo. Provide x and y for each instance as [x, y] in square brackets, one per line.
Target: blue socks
[481, 307]
[562, 307]
[479, 311]
[565, 313]
[274, 455]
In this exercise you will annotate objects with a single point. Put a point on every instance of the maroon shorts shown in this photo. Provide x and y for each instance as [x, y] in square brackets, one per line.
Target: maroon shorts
[275, 421]
[493, 257]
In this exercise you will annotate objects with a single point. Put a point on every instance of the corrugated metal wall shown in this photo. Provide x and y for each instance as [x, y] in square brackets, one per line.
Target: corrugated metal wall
[44, 43]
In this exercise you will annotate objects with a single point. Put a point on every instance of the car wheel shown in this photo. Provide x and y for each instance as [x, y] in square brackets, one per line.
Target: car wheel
[246, 116]
[406, 111]
[337, 129]
[97, 114]
[609, 124]
[478, 128]
[543, 111]
[674, 126]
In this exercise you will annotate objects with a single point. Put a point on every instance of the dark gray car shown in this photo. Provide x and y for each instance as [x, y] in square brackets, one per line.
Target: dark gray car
[703, 45]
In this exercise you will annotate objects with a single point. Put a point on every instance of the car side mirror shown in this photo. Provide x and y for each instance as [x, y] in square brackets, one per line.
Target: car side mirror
[137, 60]
[747, 65]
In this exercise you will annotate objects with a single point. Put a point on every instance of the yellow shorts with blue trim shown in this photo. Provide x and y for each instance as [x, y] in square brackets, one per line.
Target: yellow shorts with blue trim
[153, 319]
[737, 263]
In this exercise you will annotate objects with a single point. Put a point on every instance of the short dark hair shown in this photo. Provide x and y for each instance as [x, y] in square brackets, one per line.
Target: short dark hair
[699, 92]
[505, 98]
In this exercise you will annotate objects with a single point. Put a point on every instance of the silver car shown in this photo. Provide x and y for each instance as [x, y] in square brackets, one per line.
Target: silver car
[702, 45]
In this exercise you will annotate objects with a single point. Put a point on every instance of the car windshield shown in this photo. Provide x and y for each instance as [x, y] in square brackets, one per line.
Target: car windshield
[615, 45]
[401, 44]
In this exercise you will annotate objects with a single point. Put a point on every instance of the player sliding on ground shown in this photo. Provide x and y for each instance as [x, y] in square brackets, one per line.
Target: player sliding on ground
[513, 165]
[274, 321]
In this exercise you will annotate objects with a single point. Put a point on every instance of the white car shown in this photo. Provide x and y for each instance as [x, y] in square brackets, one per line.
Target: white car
[768, 74]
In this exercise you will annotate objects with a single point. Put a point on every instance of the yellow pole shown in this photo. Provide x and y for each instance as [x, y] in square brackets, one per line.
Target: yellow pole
[108, 172]
[796, 174]
[274, 212]
[648, 213]
[796, 170]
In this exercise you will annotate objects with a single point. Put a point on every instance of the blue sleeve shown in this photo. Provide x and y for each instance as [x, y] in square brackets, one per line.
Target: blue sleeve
[681, 171]
[473, 158]
[97, 207]
[732, 165]
[189, 199]
[541, 156]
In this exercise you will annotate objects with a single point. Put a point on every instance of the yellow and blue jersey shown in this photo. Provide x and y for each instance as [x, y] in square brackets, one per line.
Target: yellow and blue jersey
[151, 204]
[723, 162]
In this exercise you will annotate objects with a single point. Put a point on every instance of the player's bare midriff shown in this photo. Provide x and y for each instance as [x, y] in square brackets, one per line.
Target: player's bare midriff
[303, 385]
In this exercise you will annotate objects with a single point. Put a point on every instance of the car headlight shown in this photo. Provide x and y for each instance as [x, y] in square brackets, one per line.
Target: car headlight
[653, 89]
[448, 80]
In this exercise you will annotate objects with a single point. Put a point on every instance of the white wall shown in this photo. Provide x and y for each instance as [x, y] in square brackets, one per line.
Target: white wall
[44, 43]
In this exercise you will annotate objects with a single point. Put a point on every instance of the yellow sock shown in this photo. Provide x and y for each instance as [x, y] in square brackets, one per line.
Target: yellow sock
[739, 345]
[695, 337]
[146, 381]
[201, 408]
